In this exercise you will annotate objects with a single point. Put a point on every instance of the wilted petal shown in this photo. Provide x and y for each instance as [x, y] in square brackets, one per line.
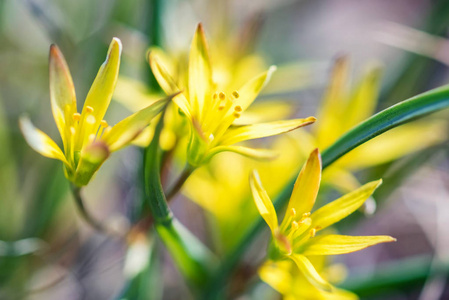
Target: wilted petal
[306, 267]
[341, 244]
[129, 128]
[344, 206]
[237, 134]
[263, 202]
[200, 74]
[39, 141]
[249, 92]
[62, 93]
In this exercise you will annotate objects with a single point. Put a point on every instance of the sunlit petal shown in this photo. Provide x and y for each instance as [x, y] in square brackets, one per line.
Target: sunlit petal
[341, 244]
[249, 91]
[262, 154]
[237, 134]
[342, 207]
[306, 267]
[263, 202]
[39, 141]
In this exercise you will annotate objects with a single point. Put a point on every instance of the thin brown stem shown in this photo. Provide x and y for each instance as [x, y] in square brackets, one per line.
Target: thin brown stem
[188, 170]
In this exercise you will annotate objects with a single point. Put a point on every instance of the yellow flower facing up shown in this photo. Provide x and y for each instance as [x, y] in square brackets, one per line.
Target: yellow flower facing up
[87, 138]
[212, 112]
[297, 237]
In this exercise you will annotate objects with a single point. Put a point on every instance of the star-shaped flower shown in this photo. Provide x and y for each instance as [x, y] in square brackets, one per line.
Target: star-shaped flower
[87, 138]
[212, 112]
[296, 238]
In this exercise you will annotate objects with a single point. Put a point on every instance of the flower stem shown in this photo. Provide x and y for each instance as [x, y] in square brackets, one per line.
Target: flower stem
[188, 170]
[87, 217]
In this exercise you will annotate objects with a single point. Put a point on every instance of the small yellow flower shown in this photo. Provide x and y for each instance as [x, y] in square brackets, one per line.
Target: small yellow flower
[87, 138]
[297, 237]
[212, 112]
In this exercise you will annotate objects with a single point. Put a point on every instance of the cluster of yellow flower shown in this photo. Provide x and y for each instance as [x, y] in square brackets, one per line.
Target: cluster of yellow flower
[212, 111]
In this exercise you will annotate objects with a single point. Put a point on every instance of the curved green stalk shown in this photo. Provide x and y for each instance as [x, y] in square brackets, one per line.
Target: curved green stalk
[194, 260]
[383, 121]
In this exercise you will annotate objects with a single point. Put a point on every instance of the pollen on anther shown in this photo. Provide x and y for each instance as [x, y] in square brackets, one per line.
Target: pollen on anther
[215, 96]
[295, 225]
[103, 123]
[238, 108]
[235, 94]
[89, 109]
[293, 212]
[222, 95]
[306, 215]
[236, 115]
[76, 116]
[313, 232]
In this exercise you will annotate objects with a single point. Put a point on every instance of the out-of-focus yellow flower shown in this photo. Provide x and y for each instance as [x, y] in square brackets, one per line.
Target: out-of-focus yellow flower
[296, 237]
[343, 109]
[212, 112]
[87, 138]
[286, 278]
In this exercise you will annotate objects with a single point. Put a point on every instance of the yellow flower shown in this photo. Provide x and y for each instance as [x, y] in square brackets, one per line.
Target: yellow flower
[285, 278]
[343, 108]
[87, 138]
[296, 237]
[212, 112]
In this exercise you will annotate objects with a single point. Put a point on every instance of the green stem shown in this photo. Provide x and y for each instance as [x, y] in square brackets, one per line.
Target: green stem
[188, 170]
[383, 121]
[194, 260]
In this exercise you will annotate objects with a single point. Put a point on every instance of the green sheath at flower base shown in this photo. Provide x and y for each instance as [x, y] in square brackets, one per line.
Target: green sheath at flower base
[297, 236]
[87, 138]
[212, 112]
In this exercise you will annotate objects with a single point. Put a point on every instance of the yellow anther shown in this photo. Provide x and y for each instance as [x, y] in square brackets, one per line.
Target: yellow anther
[295, 225]
[312, 232]
[89, 109]
[236, 115]
[107, 129]
[238, 108]
[306, 215]
[103, 123]
[293, 212]
[76, 116]
[90, 119]
[222, 95]
[215, 95]
[235, 94]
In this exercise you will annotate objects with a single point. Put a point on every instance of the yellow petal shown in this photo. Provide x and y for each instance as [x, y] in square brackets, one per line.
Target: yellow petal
[342, 207]
[260, 154]
[200, 74]
[168, 84]
[237, 134]
[129, 128]
[263, 202]
[39, 141]
[62, 93]
[266, 111]
[92, 157]
[306, 267]
[332, 107]
[134, 94]
[363, 102]
[249, 91]
[306, 186]
[341, 244]
[277, 275]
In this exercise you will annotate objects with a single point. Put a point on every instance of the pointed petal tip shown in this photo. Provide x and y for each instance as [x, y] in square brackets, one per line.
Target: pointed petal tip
[272, 68]
[115, 48]
[200, 27]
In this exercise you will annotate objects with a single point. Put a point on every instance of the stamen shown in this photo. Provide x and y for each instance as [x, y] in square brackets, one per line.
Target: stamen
[72, 130]
[222, 95]
[236, 115]
[76, 116]
[295, 225]
[306, 215]
[91, 138]
[238, 108]
[235, 94]
[89, 109]
[215, 96]
[313, 232]
[103, 123]
[90, 119]
[106, 130]
[293, 212]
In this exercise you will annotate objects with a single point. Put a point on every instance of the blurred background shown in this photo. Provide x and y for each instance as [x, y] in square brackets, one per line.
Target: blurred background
[47, 252]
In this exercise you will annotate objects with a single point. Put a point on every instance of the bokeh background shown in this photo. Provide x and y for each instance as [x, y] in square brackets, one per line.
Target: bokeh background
[47, 252]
